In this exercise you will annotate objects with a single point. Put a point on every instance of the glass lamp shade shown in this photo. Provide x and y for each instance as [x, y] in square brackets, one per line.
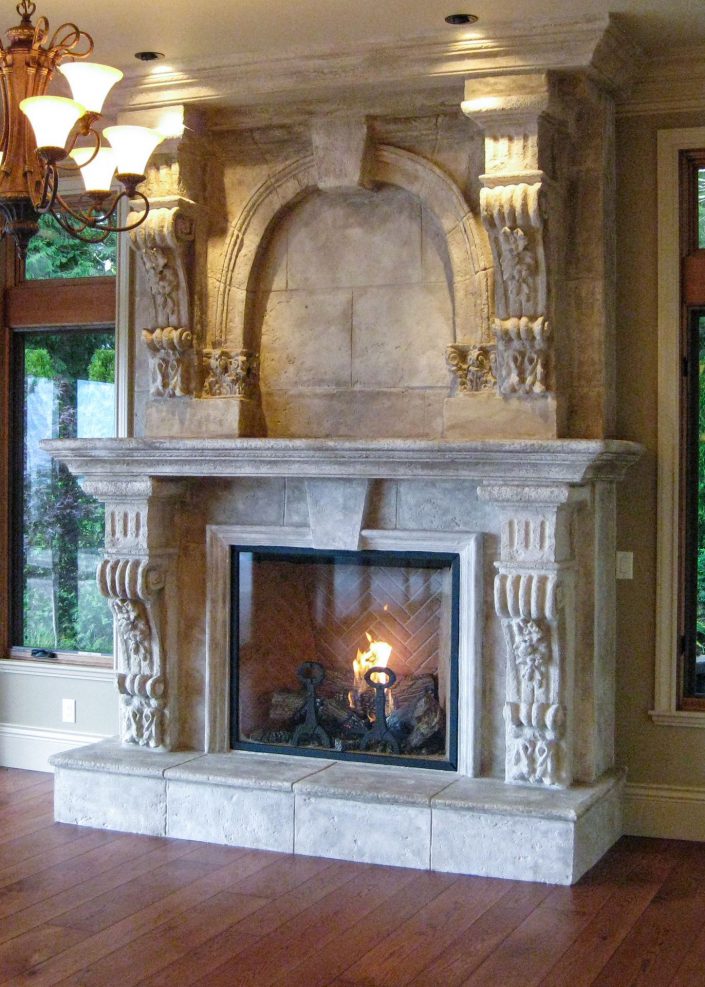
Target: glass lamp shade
[132, 146]
[52, 118]
[90, 83]
[98, 173]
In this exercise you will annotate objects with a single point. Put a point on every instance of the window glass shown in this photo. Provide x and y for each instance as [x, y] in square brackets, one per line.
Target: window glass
[67, 391]
[52, 253]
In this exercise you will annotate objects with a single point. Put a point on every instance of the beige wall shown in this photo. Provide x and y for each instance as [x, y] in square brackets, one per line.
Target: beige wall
[653, 754]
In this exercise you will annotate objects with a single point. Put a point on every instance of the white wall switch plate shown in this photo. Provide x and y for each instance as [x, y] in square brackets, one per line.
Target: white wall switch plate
[625, 565]
[68, 710]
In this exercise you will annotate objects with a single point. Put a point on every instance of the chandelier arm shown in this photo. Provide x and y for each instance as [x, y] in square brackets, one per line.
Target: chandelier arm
[93, 218]
[74, 168]
[41, 33]
[49, 190]
[103, 223]
[99, 234]
[66, 40]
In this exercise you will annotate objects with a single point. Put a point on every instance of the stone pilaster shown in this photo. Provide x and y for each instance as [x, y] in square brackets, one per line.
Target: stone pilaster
[136, 576]
[521, 207]
[534, 595]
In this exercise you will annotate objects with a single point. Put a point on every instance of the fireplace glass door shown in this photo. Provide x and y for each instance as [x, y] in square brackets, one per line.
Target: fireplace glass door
[348, 655]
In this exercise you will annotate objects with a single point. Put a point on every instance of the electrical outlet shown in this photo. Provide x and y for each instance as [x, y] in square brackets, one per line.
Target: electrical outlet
[68, 710]
[625, 565]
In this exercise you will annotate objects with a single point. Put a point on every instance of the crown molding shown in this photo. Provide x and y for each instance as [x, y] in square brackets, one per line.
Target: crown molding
[595, 45]
[671, 82]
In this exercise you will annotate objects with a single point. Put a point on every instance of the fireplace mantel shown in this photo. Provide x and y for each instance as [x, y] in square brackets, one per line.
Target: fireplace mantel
[571, 461]
[533, 525]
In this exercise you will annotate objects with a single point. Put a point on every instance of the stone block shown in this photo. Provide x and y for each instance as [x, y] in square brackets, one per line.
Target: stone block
[336, 509]
[306, 340]
[263, 820]
[488, 415]
[434, 250]
[203, 418]
[318, 413]
[363, 831]
[352, 239]
[441, 505]
[246, 500]
[108, 801]
[400, 335]
[488, 844]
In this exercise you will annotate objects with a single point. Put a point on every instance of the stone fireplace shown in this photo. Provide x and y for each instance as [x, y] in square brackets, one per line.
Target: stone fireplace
[377, 340]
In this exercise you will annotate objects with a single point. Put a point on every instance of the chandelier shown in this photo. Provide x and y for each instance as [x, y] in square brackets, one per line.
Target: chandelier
[63, 137]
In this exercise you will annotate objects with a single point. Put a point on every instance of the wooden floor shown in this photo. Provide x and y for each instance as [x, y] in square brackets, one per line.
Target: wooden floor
[88, 907]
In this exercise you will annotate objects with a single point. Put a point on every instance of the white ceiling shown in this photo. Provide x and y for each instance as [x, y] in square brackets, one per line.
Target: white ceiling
[189, 32]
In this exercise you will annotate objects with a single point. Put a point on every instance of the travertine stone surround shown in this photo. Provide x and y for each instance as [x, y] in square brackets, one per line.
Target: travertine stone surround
[166, 573]
[344, 257]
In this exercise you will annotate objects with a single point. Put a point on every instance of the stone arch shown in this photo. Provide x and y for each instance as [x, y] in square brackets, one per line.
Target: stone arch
[471, 268]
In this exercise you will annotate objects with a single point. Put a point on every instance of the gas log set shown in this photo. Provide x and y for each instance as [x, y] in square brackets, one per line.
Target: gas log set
[377, 712]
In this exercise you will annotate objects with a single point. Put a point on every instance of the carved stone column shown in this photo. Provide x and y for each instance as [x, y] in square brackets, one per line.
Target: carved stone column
[136, 577]
[521, 204]
[534, 594]
[163, 245]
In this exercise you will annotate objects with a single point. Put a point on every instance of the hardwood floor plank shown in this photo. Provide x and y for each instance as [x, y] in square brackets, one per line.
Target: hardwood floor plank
[177, 937]
[292, 942]
[221, 949]
[137, 864]
[472, 947]
[12, 779]
[413, 946]
[629, 896]
[147, 919]
[25, 951]
[654, 948]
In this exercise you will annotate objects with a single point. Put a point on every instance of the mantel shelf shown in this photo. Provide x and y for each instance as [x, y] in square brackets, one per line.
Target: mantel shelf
[526, 461]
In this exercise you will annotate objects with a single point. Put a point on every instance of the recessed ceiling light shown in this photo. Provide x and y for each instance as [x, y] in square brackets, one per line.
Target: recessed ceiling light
[456, 19]
[149, 56]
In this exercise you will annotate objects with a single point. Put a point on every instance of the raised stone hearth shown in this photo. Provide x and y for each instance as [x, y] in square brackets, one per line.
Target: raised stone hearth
[533, 795]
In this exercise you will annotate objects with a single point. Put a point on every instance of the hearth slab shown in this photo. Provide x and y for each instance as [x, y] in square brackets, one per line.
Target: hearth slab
[246, 769]
[390, 815]
[370, 783]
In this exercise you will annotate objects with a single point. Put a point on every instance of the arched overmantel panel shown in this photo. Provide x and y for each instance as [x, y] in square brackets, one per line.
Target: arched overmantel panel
[468, 253]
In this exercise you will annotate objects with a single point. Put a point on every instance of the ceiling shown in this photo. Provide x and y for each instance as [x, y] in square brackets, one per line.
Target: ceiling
[188, 33]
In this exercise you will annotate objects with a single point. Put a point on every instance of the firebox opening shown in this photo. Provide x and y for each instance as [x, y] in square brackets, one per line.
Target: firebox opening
[345, 655]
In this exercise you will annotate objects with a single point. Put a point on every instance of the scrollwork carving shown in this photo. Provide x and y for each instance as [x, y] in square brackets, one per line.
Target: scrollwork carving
[133, 586]
[512, 216]
[523, 355]
[172, 362]
[230, 374]
[162, 243]
[472, 367]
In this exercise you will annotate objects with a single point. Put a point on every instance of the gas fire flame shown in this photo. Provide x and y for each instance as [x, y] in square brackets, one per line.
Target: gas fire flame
[378, 654]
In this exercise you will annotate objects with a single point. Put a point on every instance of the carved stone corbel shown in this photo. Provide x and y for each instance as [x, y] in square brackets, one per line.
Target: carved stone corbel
[534, 597]
[140, 542]
[132, 586]
[163, 244]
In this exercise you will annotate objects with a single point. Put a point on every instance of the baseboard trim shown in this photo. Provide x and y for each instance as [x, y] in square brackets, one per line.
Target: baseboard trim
[31, 747]
[668, 811]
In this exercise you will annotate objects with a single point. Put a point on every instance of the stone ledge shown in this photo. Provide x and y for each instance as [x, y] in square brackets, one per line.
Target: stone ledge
[541, 461]
[245, 769]
[489, 795]
[389, 785]
[112, 757]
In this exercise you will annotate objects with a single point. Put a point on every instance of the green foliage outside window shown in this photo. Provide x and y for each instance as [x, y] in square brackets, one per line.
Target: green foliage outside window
[62, 535]
[52, 253]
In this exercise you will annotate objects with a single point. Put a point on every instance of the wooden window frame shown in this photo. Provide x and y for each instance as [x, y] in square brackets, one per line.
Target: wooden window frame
[27, 305]
[674, 241]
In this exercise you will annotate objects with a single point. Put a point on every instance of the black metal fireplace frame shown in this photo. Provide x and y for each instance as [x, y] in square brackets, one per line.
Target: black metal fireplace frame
[363, 557]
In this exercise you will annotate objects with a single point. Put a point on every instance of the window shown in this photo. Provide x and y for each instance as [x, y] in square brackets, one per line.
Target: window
[58, 381]
[680, 641]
